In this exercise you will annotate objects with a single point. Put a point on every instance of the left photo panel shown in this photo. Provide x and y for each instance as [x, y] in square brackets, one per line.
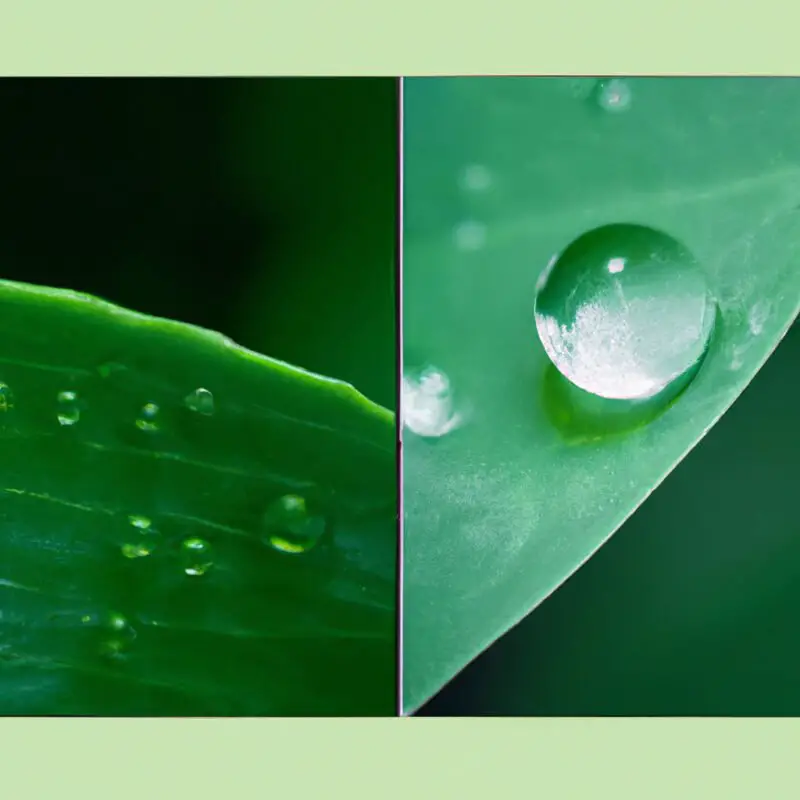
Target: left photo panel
[198, 387]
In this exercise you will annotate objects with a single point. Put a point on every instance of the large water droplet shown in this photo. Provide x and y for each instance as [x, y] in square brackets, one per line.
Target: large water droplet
[148, 418]
[201, 401]
[624, 312]
[69, 412]
[196, 555]
[290, 527]
[427, 403]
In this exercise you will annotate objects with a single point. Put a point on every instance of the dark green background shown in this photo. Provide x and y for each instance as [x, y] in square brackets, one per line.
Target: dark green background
[693, 607]
[262, 208]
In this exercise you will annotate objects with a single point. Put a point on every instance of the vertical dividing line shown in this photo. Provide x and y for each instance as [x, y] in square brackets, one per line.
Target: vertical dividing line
[399, 416]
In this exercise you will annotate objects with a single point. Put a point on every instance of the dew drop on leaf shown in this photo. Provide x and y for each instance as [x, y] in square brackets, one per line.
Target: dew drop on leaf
[196, 556]
[200, 401]
[290, 528]
[148, 418]
[69, 412]
[624, 312]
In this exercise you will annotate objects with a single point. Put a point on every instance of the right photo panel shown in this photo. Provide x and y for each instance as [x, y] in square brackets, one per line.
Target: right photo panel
[595, 270]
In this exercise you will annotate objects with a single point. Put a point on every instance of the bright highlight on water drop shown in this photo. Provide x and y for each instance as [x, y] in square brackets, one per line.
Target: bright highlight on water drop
[614, 95]
[69, 412]
[196, 555]
[427, 404]
[148, 418]
[624, 312]
[201, 401]
[290, 527]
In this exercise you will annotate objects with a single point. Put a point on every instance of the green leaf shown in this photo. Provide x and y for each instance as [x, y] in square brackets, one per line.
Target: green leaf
[500, 174]
[188, 527]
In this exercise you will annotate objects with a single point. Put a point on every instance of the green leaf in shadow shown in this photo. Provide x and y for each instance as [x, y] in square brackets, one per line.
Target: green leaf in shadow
[188, 527]
[531, 475]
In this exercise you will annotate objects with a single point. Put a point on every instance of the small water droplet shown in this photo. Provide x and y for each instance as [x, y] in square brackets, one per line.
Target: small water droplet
[196, 554]
[122, 635]
[624, 312]
[290, 528]
[6, 398]
[475, 178]
[201, 401]
[143, 523]
[427, 403]
[614, 95]
[136, 550]
[69, 412]
[117, 622]
[470, 235]
[148, 418]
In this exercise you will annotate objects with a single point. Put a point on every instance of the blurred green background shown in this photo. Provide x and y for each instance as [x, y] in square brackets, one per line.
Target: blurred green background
[692, 607]
[261, 208]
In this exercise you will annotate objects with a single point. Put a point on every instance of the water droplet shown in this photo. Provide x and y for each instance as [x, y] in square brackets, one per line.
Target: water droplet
[69, 411]
[624, 312]
[143, 523]
[196, 554]
[475, 178]
[148, 418]
[201, 401]
[427, 403]
[137, 550]
[122, 635]
[117, 622]
[470, 235]
[614, 95]
[6, 398]
[290, 528]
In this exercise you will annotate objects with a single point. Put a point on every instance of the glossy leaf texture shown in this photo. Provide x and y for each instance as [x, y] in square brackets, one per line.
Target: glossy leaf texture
[188, 528]
[523, 477]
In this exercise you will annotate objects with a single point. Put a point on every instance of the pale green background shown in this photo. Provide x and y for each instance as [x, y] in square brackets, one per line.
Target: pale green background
[438, 758]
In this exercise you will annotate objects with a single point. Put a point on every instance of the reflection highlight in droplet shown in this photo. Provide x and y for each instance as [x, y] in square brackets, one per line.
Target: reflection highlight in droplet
[624, 312]
[427, 403]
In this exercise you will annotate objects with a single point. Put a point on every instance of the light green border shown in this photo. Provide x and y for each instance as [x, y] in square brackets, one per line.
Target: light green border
[414, 37]
[392, 758]
[645, 759]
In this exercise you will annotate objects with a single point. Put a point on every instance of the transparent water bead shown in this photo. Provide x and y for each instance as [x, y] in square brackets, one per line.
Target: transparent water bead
[148, 419]
[427, 403]
[290, 527]
[200, 401]
[614, 95]
[69, 412]
[624, 312]
[196, 556]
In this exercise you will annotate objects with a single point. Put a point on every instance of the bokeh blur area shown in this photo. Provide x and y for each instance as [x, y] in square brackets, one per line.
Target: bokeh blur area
[261, 208]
